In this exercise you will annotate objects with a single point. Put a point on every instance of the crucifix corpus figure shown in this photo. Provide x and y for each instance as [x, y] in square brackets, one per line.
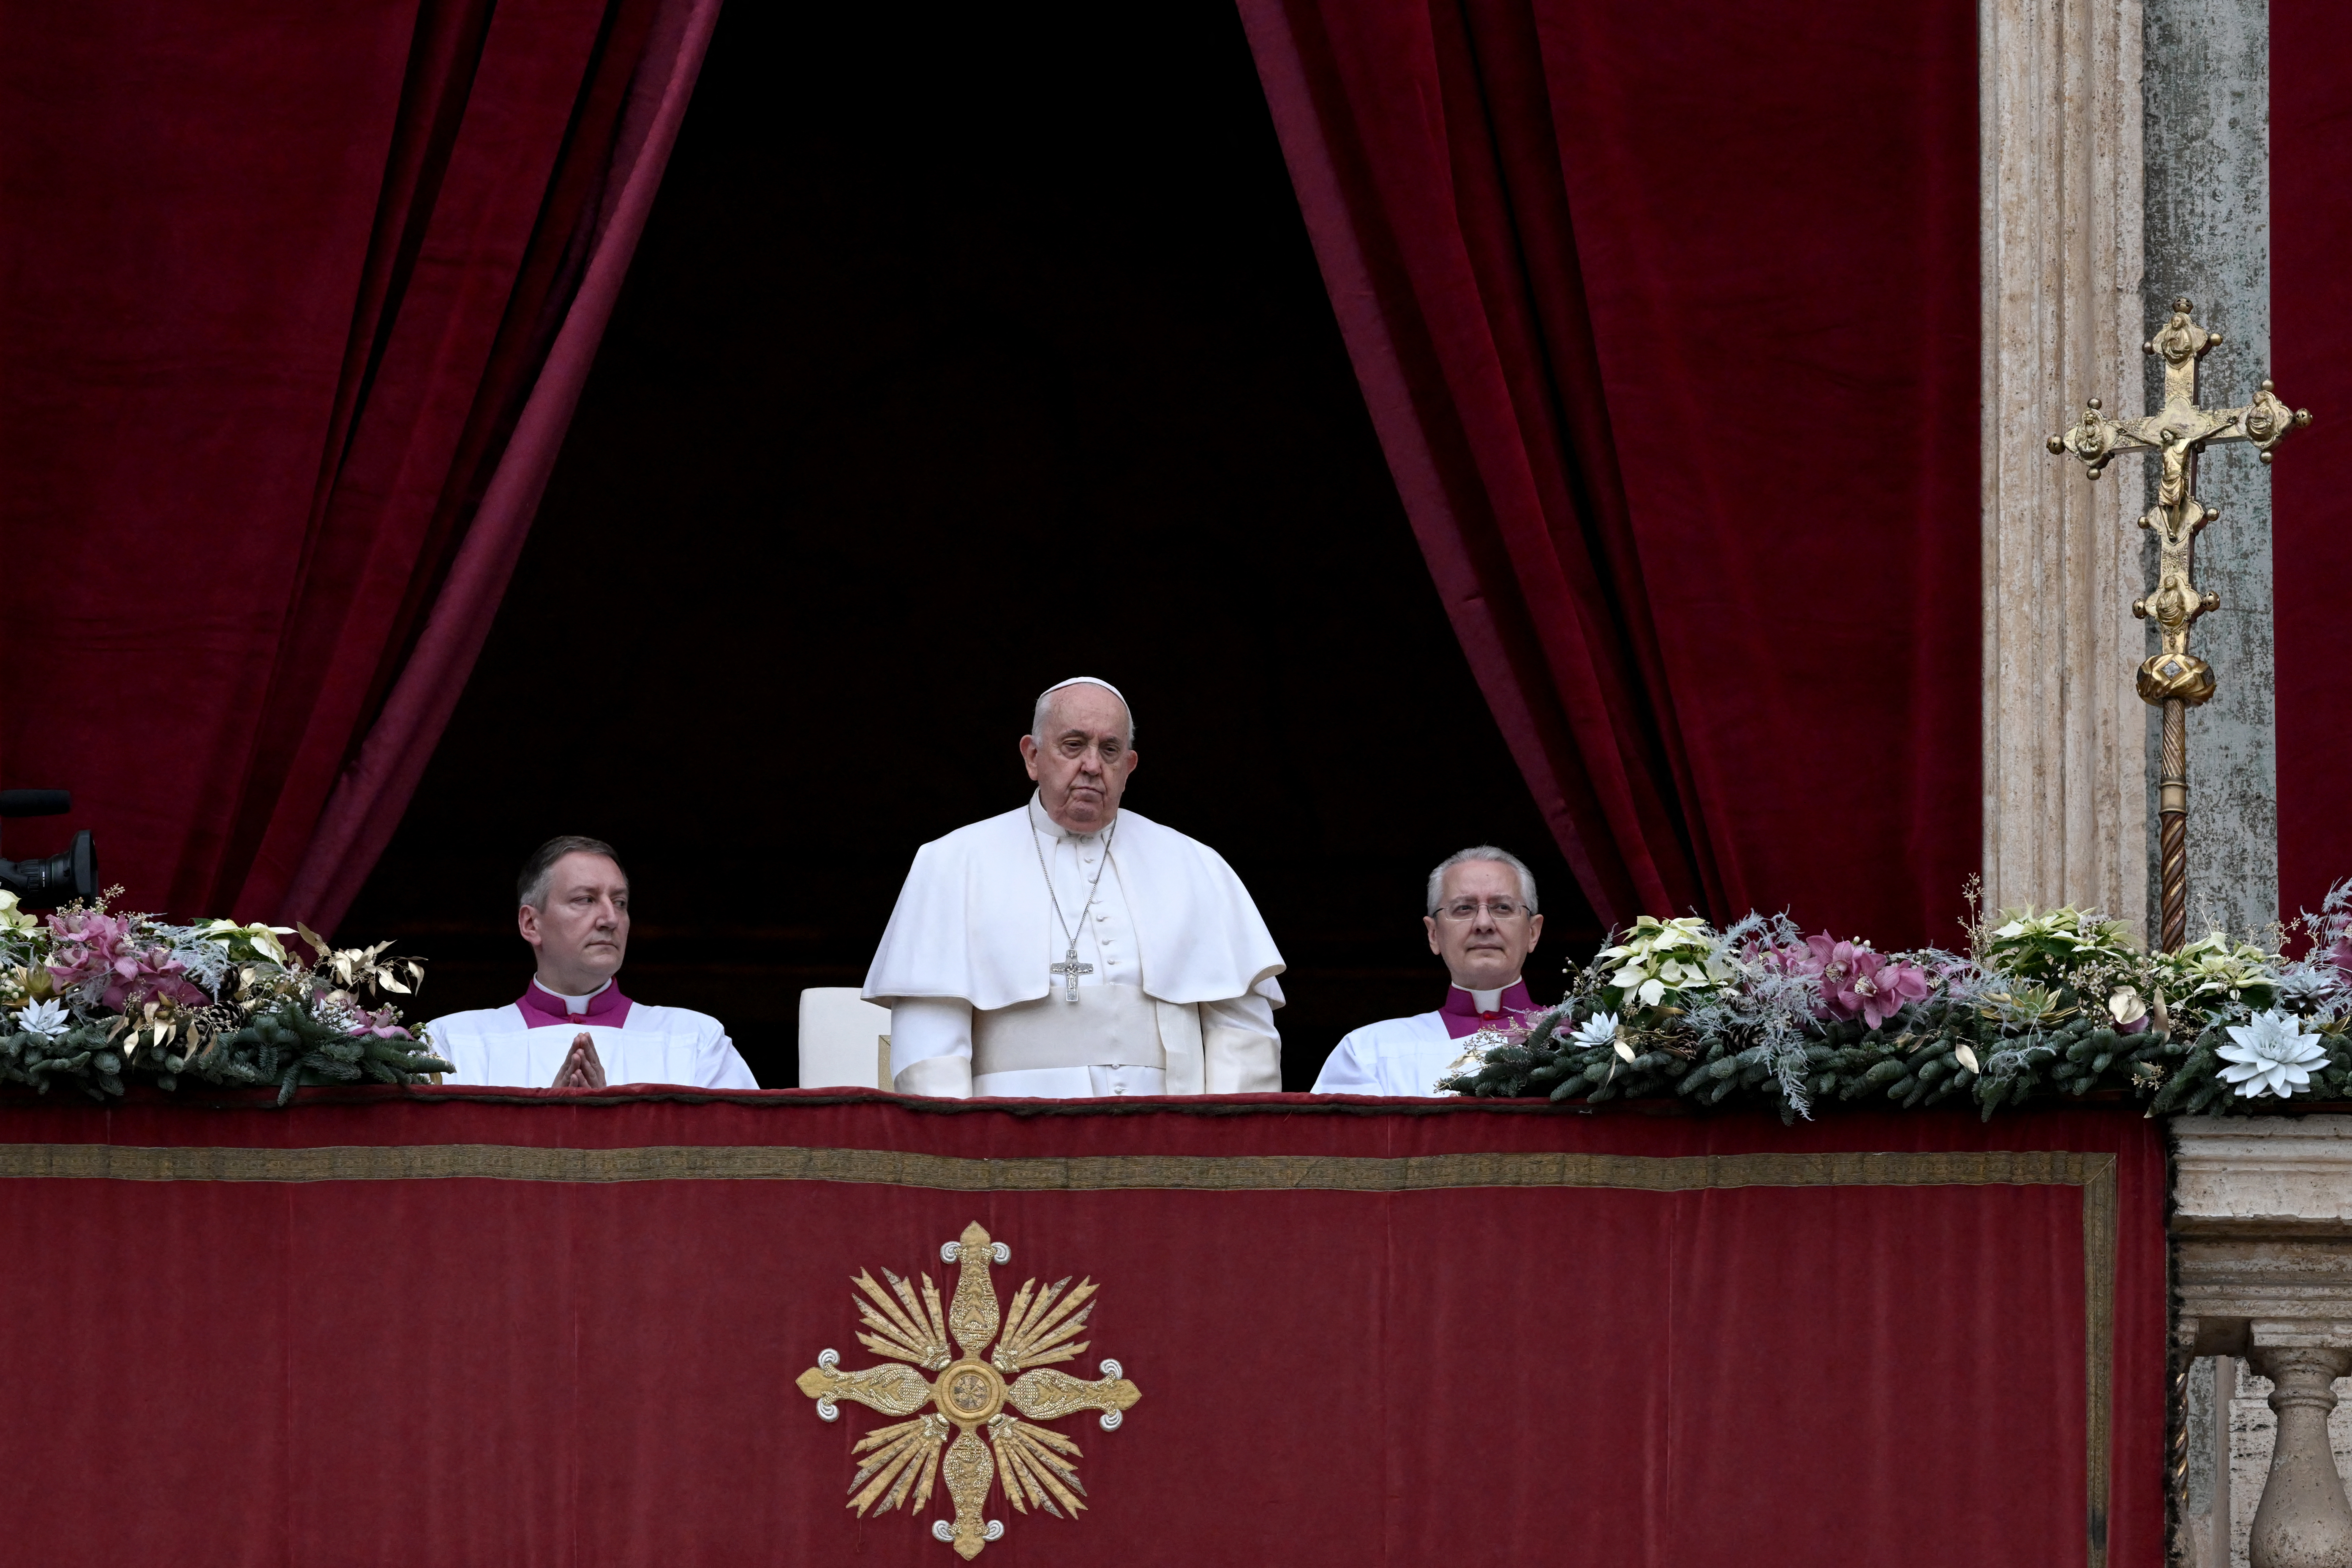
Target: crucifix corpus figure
[2172, 679]
[1070, 947]
[1070, 969]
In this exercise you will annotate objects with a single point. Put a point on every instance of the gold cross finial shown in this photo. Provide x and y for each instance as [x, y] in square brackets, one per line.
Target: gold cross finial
[2172, 679]
[2182, 342]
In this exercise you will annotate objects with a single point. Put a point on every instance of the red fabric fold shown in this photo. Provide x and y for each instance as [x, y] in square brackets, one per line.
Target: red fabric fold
[1628, 294]
[2311, 540]
[409, 208]
[373, 792]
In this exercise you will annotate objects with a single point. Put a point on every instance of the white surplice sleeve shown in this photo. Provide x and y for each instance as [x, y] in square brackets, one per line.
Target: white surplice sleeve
[930, 1046]
[717, 1063]
[1394, 1057]
[1240, 1050]
[1352, 1068]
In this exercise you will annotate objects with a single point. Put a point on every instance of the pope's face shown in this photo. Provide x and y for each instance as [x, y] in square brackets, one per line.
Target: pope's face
[1483, 928]
[1083, 766]
[582, 933]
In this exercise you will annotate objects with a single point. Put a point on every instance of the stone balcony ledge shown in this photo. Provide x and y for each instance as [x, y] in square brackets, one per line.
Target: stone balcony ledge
[2290, 1174]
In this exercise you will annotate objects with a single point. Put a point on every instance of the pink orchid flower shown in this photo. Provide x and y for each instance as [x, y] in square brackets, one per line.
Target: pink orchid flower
[1858, 983]
[93, 945]
[379, 1026]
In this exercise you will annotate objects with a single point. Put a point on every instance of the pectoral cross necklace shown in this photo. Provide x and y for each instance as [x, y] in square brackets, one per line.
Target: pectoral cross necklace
[1069, 969]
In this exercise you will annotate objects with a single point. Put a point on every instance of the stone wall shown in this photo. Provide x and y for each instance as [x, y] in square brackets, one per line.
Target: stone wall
[2205, 87]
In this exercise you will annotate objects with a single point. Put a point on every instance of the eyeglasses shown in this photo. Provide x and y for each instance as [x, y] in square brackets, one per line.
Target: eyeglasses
[1500, 909]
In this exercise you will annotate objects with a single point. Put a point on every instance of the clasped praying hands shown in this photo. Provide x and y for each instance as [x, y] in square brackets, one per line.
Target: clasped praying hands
[582, 1068]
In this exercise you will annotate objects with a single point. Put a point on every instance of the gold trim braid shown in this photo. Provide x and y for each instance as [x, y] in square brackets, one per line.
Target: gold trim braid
[1091, 1173]
[2094, 1173]
[2099, 1205]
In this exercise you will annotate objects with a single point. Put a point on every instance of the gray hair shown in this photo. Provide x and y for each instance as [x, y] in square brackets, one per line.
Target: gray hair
[1046, 706]
[1484, 852]
[539, 871]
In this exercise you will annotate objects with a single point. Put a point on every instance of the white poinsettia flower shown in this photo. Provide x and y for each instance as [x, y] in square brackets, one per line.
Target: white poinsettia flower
[1598, 1030]
[1653, 992]
[262, 938]
[2271, 1055]
[46, 1019]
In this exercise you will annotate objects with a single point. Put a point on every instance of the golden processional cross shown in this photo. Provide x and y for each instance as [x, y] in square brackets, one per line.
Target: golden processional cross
[2172, 678]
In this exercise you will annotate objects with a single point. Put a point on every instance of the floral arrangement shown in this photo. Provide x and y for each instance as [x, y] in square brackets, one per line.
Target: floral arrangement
[2056, 1001]
[93, 997]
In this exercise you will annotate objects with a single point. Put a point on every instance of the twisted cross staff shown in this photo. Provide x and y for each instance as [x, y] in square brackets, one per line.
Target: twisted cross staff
[2172, 679]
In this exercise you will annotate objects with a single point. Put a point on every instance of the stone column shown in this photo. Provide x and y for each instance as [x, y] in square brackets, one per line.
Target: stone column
[2065, 796]
[2207, 92]
[2303, 1521]
[2262, 1233]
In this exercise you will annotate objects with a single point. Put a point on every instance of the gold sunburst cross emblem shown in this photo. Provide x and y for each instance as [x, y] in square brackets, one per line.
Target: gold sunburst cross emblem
[969, 1394]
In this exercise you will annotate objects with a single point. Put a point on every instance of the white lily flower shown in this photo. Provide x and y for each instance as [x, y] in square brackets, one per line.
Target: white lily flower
[1598, 1030]
[46, 1019]
[2271, 1055]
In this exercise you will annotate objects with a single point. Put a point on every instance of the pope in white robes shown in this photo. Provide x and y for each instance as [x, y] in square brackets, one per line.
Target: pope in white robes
[1071, 948]
[1483, 922]
[571, 1028]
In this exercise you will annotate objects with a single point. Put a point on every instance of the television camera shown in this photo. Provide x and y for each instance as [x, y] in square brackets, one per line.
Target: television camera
[49, 882]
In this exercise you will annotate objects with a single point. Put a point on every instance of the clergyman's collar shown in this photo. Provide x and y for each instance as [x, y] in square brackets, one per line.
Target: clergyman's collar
[1045, 824]
[1463, 1002]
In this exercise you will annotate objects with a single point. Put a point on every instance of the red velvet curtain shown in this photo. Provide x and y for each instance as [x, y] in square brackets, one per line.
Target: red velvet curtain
[293, 304]
[2311, 332]
[466, 1327]
[1666, 316]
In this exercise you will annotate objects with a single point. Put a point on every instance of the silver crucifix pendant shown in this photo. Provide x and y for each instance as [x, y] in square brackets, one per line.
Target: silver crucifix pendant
[1069, 969]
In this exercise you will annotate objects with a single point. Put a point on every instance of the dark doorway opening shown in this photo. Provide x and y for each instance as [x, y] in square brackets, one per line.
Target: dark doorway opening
[966, 351]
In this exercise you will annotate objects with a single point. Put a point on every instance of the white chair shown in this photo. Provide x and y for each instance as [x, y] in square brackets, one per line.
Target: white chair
[844, 1039]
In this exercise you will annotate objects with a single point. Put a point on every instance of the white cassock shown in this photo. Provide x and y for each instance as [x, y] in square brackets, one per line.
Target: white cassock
[1409, 1056]
[523, 1044]
[1176, 990]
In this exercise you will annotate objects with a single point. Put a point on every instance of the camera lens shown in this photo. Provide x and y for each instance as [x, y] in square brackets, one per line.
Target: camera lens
[49, 882]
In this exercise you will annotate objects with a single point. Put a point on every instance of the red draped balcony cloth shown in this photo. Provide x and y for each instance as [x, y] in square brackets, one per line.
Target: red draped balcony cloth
[450, 1326]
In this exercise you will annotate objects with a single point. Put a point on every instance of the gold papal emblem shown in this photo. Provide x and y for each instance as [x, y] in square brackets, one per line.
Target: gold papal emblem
[970, 1393]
